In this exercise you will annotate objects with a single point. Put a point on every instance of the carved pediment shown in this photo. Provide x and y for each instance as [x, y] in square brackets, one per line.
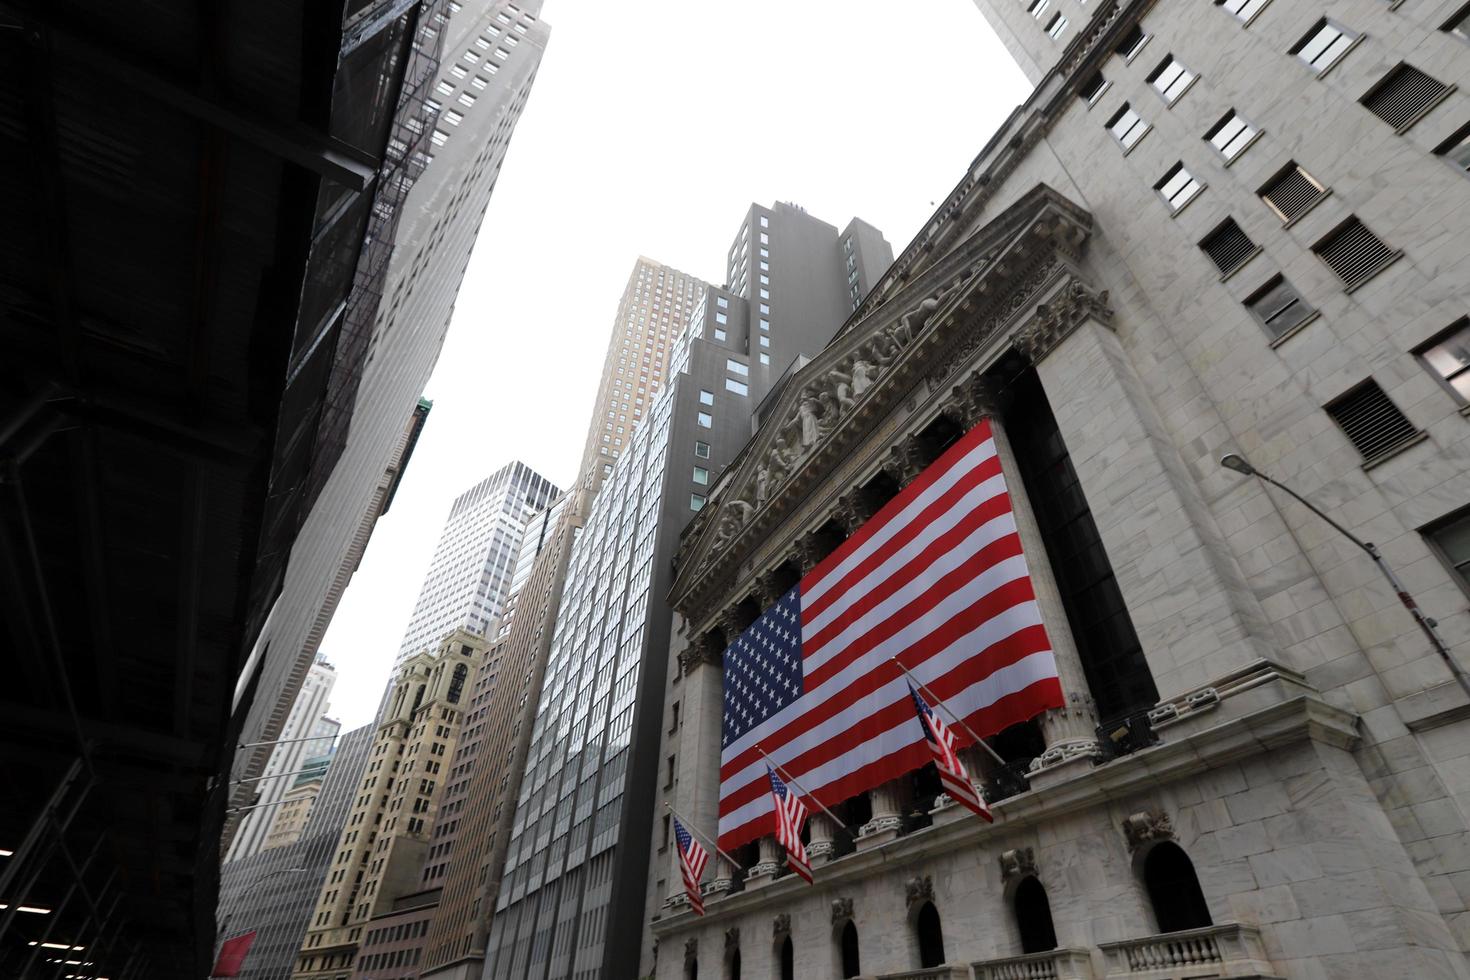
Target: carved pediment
[829, 407]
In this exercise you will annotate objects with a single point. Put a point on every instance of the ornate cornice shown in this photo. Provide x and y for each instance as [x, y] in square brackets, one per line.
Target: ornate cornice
[1057, 318]
[970, 299]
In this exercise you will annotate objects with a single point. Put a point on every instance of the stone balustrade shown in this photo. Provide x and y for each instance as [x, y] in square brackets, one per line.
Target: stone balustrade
[1054, 964]
[1226, 950]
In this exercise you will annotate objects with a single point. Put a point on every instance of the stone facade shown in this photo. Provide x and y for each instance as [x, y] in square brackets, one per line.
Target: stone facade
[1283, 734]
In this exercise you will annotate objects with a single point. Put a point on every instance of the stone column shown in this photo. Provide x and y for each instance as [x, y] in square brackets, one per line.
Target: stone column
[724, 877]
[701, 690]
[768, 863]
[821, 844]
[887, 821]
[1071, 731]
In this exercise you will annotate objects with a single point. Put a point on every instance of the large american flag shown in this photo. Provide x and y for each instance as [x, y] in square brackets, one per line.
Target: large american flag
[692, 858]
[937, 579]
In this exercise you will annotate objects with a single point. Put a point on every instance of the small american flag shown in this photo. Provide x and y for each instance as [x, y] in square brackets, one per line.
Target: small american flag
[951, 770]
[936, 577]
[692, 859]
[790, 814]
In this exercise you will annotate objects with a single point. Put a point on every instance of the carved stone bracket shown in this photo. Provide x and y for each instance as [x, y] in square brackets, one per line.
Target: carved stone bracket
[732, 938]
[917, 890]
[841, 911]
[1058, 317]
[1147, 825]
[781, 926]
[1017, 863]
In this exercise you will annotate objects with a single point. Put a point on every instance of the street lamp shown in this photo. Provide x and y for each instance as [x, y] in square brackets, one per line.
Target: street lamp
[1241, 465]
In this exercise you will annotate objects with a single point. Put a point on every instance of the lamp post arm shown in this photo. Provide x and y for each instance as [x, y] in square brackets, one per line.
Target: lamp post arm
[1314, 509]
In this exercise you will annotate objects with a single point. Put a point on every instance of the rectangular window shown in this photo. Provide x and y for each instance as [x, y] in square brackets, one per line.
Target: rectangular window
[765, 341]
[706, 397]
[458, 71]
[1371, 420]
[439, 138]
[765, 324]
[1292, 192]
[719, 334]
[466, 99]
[444, 88]
[701, 449]
[721, 318]
[1405, 96]
[765, 294]
[452, 117]
[1092, 88]
[1278, 307]
[1456, 150]
[765, 239]
[765, 310]
[1131, 43]
[1354, 252]
[1447, 355]
[705, 420]
[1056, 26]
[1127, 126]
[733, 365]
[1037, 8]
[1449, 539]
[1228, 247]
[480, 81]
[1243, 9]
[765, 280]
[1459, 25]
[701, 475]
[1323, 45]
[696, 502]
[765, 358]
[1232, 135]
[1178, 187]
[722, 302]
[483, 43]
[1170, 79]
[739, 387]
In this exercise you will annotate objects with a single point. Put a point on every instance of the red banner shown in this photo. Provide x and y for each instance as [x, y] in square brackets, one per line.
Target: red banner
[232, 955]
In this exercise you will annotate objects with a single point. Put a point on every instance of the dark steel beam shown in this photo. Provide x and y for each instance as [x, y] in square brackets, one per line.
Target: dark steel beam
[304, 146]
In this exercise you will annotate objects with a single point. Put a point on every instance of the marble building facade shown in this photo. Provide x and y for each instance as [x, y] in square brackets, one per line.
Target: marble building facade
[1263, 769]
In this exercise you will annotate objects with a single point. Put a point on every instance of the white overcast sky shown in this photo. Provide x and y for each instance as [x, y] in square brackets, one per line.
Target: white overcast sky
[651, 128]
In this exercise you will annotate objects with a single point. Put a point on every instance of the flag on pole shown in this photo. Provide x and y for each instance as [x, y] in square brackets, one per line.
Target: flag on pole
[951, 770]
[692, 859]
[937, 576]
[232, 955]
[790, 814]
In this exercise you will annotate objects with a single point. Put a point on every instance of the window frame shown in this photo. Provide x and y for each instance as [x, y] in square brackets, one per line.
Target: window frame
[1174, 85]
[1232, 115]
[1446, 381]
[1354, 38]
[1169, 175]
[1261, 292]
[1435, 527]
[1122, 140]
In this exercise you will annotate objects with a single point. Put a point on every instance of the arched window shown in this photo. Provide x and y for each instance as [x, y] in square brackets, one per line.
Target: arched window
[691, 969]
[1174, 890]
[788, 960]
[931, 937]
[1033, 915]
[735, 965]
[850, 965]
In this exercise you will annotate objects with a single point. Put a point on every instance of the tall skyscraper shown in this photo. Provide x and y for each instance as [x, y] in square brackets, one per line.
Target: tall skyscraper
[490, 53]
[575, 878]
[385, 838]
[307, 718]
[652, 313]
[274, 890]
[474, 562]
[1212, 231]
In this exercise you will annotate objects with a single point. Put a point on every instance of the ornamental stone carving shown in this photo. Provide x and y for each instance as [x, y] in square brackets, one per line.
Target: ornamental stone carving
[841, 911]
[974, 398]
[698, 653]
[781, 926]
[1017, 863]
[917, 890]
[1146, 826]
[853, 510]
[732, 939]
[1057, 318]
[808, 553]
[691, 949]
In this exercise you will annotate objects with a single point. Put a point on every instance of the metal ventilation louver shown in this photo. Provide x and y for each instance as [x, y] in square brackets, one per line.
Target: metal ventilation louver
[1403, 96]
[1371, 421]
[1354, 252]
[1292, 192]
[1228, 247]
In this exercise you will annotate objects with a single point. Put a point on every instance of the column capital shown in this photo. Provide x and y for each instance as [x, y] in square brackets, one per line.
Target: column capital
[700, 651]
[766, 588]
[976, 397]
[1059, 316]
[808, 553]
[853, 510]
[904, 461]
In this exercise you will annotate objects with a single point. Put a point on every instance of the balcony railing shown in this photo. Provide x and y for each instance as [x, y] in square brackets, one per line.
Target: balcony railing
[945, 972]
[1054, 964]
[1227, 950]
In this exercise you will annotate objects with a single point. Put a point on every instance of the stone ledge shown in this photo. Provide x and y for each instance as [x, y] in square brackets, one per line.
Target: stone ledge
[1440, 705]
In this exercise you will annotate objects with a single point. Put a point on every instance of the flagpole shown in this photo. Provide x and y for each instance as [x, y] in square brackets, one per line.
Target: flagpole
[689, 826]
[788, 777]
[952, 716]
